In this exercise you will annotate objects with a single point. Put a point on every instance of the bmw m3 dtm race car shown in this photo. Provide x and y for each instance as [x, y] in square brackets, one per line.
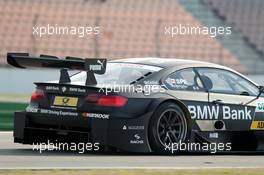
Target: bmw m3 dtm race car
[141, 104]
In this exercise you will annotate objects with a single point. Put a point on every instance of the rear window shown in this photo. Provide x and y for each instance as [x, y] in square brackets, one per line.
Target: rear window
[118, 73]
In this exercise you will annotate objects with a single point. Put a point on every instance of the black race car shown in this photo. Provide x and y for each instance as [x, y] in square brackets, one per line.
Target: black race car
[142, 105]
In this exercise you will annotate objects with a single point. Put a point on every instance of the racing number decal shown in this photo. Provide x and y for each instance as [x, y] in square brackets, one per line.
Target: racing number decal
[65, 101]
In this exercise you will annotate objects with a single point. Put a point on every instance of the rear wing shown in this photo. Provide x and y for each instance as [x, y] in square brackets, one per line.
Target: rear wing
[91, 66]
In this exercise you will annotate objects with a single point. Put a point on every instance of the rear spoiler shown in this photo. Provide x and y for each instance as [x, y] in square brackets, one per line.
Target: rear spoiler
[91, 66]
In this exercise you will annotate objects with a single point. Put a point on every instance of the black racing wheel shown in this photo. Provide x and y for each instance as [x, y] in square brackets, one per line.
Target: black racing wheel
[168, 125]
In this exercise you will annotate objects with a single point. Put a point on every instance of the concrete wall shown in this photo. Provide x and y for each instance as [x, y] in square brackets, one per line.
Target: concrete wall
[20, 81]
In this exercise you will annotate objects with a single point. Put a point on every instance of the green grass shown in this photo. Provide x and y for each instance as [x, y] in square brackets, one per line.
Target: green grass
[135, 172]
[7, 110]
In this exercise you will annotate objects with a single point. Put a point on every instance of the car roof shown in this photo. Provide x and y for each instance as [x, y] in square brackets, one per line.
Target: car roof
[176, 63]
[169, 62]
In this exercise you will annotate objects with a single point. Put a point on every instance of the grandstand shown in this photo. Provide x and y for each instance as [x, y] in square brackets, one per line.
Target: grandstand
[245, 16]
[136, 29]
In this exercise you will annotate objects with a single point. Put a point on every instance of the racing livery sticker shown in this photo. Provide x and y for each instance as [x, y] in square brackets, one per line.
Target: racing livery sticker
[65, 101]
[134, 127]
[94, 115]
[137, 139]
[53, 88]
[257, 125]
[260, 106]
[58, 112]
[177, 83]
[216, 112]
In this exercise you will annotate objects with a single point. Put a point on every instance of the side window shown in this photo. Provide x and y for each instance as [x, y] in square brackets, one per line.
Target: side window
[185, 79]
[223, 81]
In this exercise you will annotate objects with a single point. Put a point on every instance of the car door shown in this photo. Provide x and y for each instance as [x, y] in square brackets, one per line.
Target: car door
[231, 97]
[186, 86]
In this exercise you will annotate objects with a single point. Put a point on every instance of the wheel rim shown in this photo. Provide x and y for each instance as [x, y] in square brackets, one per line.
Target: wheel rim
[171, 127]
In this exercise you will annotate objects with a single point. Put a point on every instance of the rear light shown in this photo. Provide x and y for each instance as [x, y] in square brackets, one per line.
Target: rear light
[37, 94]
[110, 100]
[106, 100]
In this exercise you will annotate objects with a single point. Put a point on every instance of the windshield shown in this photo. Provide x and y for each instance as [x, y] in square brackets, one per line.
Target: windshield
[119, 73]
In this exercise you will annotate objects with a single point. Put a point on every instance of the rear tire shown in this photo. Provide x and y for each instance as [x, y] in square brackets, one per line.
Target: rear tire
[169, 124]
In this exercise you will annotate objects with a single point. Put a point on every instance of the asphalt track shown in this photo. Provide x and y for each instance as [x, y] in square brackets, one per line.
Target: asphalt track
[17, 156]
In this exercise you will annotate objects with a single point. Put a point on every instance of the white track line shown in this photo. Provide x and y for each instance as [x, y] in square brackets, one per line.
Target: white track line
[148, 168]
[6, 132]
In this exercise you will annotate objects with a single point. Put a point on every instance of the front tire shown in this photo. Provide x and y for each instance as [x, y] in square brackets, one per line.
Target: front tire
[168, 125]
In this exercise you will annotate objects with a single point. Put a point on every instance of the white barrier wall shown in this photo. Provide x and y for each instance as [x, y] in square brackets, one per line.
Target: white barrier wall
[19, 81]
